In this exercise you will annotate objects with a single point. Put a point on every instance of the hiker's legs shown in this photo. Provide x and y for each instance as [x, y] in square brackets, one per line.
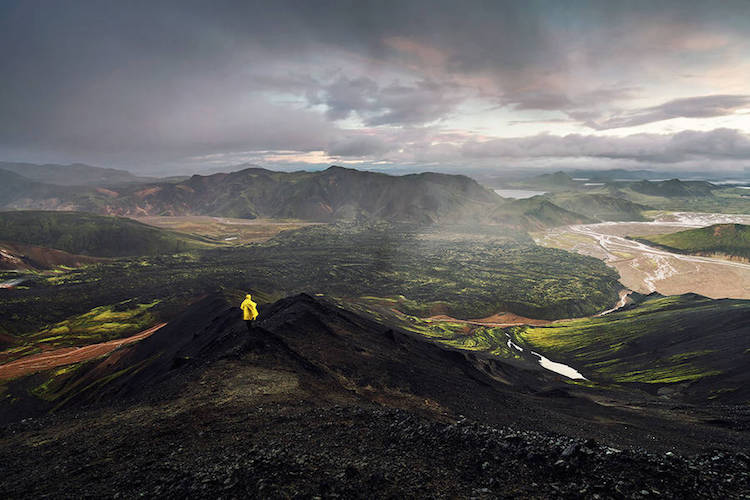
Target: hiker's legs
[249, 324]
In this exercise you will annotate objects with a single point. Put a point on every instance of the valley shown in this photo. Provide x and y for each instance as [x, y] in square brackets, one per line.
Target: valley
[225, 229]
[342, 250]
[509, 312]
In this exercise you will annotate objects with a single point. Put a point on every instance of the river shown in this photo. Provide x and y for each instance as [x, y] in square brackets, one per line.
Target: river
[646, 269]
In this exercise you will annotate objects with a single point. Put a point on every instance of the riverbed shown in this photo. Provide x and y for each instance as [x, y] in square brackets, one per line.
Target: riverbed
[646, 269]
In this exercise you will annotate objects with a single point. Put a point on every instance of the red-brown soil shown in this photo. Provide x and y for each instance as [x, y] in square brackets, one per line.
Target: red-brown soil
[499, 319]
[22, 257]
[67, 355]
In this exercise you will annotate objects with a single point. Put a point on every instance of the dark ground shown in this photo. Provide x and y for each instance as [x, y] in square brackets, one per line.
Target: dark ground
[320, 402]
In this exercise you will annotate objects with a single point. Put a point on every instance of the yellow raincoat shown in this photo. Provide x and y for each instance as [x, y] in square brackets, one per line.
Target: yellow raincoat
[249, 312]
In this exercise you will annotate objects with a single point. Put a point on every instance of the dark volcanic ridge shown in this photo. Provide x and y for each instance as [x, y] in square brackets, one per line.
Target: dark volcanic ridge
[320, 401]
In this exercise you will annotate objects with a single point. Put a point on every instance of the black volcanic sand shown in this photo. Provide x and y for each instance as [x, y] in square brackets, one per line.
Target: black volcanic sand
[321, 402]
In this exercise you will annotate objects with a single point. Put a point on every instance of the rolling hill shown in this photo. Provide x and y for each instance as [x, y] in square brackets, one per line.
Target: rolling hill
[91, 235]
[14, 256]
[536, 213]
[600, 207]
[685, 347]
[76, 174]
[673, 188]
[15, 188]
[728, 240]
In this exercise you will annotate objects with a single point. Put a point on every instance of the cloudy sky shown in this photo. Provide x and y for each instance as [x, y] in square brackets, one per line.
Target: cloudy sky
[167, 87]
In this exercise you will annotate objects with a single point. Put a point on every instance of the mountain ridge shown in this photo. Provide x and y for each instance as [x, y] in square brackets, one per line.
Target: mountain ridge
[336, 193]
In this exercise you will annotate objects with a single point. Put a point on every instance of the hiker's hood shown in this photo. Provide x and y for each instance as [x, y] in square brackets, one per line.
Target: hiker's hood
[248, 296]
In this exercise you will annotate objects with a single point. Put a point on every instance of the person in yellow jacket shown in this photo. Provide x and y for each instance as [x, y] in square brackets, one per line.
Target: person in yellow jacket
[249, 311]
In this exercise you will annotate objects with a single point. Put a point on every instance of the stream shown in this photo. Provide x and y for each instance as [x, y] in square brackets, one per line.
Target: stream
[553, 366]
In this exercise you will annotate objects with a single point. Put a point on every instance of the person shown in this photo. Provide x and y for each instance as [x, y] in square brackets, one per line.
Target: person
[249, 311]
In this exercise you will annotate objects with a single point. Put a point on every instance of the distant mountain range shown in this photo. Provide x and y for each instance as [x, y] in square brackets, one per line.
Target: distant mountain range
[76, 174]
[333, 194]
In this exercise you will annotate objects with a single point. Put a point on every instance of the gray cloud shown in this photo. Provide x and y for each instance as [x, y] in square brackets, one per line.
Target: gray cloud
[393, 104]
[690, 107]
[359, 145]
[573, 103]
[155, 81]
[719, 144]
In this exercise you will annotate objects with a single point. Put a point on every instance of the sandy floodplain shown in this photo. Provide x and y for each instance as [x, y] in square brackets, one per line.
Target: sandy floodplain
[646, 269]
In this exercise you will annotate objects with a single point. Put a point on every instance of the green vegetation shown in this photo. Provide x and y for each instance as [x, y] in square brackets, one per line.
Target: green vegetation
[88, 234]
[600, 206]
[536, 213]
[720, 200]
[76, 174]
[662, 340]
[456, 334]
[100, 324]
[727, 239]
[601, 201]
[458, 276]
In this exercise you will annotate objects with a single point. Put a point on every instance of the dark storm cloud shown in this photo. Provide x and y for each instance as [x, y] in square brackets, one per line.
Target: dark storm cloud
[139, 81]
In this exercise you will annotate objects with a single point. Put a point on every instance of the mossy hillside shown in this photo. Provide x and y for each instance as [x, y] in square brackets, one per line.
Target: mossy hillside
[100, 324]
[96, 235]
[660, 341]
[59, 386]
[600, 206]
[727, 239]
[457, 334]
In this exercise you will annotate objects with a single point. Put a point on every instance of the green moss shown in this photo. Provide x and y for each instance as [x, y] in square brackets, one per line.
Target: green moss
[690, 355]
[49, 389]
[97, 325]
[73, 390]
[666, 375]
[652, 343]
